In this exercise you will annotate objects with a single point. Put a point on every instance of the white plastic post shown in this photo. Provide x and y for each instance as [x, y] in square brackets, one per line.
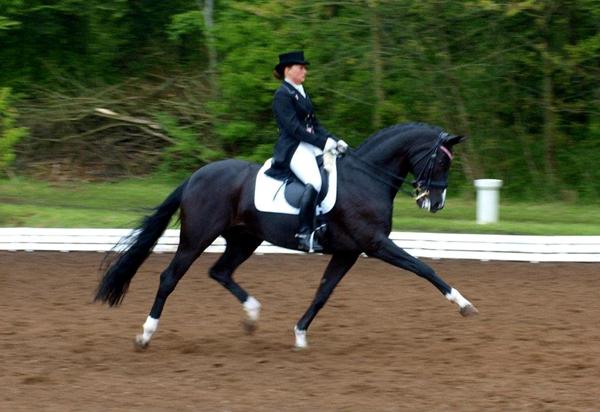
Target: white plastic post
[487, 200]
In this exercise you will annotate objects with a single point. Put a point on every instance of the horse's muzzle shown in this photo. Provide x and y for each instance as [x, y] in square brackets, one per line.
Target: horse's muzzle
[424, 201]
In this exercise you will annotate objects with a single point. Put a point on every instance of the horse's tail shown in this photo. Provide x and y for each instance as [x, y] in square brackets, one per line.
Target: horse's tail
[118, 274]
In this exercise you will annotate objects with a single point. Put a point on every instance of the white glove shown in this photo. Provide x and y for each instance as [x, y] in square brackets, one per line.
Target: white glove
[342, 146]
[330, 145]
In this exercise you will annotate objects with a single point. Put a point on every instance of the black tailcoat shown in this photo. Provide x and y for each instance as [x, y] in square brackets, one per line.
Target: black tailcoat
[297, 123]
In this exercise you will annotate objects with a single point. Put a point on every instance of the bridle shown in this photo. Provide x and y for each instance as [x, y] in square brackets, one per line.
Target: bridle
[423, 182]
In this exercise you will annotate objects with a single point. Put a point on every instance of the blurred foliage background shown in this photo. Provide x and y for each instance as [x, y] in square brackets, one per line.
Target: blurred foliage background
[182, 83]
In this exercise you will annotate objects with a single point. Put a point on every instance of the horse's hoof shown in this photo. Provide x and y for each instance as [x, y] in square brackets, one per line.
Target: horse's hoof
[468, 310]
[300, 348]
[249, 326]
[139, 343]
[301, 341]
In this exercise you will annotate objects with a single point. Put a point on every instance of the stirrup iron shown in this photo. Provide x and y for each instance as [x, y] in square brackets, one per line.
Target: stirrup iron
[311, 242]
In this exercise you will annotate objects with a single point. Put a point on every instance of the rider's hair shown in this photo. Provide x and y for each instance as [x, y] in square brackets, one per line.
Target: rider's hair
[278, 74]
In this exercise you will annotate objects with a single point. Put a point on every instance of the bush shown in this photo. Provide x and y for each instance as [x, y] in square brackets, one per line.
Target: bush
[9, 134]
[187, 153]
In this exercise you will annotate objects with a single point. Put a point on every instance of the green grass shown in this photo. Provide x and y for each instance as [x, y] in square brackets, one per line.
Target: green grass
[30, 203]
[526, 218]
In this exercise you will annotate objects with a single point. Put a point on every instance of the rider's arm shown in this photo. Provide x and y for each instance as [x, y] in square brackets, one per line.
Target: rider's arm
[287, 120]
[341, 146]
[320, 130]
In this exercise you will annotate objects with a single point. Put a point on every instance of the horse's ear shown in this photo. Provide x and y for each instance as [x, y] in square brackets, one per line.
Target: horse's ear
[452, 140]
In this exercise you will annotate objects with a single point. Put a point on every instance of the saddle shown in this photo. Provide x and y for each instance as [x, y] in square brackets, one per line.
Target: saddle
[272, 195]
[294, 186]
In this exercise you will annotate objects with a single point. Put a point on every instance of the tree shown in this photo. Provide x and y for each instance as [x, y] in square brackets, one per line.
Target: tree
[10, 135]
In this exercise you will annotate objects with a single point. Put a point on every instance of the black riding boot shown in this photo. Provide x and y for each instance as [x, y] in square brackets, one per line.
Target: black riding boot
[306, 239]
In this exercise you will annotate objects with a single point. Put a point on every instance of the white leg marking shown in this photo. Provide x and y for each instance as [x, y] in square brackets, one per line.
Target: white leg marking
[456, 297]
[252, 308]
[301, 342]
[150, 327]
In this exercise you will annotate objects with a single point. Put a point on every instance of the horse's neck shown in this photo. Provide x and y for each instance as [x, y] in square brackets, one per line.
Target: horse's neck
[382, 164]
[391, 154]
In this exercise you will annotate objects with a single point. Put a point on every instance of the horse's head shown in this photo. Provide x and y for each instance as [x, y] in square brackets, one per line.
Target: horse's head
[431, 167]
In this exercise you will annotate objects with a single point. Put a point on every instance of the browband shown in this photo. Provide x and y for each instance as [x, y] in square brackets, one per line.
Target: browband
[445, 150]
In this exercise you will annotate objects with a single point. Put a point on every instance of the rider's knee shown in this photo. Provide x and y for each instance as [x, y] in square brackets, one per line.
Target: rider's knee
[313, 179]
[317, 185]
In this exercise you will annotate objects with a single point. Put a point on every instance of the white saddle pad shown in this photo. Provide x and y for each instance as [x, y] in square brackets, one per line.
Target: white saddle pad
[269, 193]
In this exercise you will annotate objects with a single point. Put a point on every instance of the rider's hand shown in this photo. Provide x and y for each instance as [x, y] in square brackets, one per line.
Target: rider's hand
[330, 145]
[341, 146]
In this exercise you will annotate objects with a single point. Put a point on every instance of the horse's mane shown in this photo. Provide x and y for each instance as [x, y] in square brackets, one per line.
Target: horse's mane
[398, 129]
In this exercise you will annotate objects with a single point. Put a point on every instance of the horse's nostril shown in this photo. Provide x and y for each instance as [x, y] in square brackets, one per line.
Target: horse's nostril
[437, 206]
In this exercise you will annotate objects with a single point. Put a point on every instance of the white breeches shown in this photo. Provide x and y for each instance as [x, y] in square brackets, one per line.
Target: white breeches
[304, 164]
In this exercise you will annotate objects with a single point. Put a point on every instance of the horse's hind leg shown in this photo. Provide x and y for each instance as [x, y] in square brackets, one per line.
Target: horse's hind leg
[169, 278]
[191, 245]
[390, 253]
[240, 247]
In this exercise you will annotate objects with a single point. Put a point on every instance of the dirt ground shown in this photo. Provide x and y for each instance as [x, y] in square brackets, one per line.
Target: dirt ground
[386, 341]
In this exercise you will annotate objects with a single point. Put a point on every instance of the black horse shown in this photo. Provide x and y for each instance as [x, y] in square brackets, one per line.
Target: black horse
[218, 200]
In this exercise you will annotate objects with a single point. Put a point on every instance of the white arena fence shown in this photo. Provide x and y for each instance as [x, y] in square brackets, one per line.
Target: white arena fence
[427, 245]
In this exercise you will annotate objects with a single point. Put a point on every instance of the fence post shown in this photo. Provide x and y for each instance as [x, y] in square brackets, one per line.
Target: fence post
[487, 200]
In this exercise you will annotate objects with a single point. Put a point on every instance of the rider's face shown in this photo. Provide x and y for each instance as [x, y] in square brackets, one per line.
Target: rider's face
[296, 73]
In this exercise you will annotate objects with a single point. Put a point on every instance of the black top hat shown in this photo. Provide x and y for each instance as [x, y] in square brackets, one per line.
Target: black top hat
[289, 59]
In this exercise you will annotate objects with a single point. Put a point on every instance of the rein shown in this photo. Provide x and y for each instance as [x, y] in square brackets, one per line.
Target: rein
[424, 175]
[378, 171]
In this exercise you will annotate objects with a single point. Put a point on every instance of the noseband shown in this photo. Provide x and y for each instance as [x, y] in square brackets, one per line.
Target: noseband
[424, 181]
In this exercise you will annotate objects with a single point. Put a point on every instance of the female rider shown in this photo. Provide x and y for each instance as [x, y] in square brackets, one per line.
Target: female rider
[301, 139]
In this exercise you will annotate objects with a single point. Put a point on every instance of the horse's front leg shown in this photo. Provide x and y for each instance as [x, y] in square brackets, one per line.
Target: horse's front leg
[387, 251]
[338, 266]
